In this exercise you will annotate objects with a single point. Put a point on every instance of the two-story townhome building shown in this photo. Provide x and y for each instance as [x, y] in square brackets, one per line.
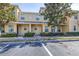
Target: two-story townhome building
[34, 22]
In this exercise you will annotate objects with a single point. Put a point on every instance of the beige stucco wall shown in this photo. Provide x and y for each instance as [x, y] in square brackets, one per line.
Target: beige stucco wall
[39, 28]
[30, 16]
[21, 28]
[65, 28]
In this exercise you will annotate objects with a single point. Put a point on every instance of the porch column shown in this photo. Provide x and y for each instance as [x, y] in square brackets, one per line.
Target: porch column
[29, 27]
[43, 28]
[60, 29]
[49, 29]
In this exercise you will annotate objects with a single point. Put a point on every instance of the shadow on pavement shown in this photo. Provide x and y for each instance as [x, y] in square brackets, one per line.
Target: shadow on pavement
[6, 46]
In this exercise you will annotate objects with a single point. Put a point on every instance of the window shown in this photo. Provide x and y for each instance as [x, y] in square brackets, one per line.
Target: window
[53, 29]
[75, 17]
[25, 28]
[38, 18]
[10, 26]
[11, 29]
[22, 18]
[0, 29]
[45, 19]
[46, 28]
[74, 28]
[35, 28]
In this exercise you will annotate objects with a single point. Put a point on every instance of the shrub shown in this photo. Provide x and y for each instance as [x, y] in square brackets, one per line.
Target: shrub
[72, 34]
[59, 34]
[9, 35]
[29, 34]
[44, 34]
[51, 34]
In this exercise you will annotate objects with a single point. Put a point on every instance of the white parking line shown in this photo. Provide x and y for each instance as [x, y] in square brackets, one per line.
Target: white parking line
[47, 50]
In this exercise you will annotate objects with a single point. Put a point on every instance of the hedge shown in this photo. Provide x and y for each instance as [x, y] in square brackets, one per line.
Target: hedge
[9, 35]
[59, 34]
[29, 34]
[51, 34]
[71, 34]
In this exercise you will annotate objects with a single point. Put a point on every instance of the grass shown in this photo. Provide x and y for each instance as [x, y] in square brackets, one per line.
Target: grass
[44, 40]
[62, 38]
[67, 38]
[20, 41]
[17, 41]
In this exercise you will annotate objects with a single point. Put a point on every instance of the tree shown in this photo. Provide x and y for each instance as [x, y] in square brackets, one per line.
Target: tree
[56, 13]
[6, 13]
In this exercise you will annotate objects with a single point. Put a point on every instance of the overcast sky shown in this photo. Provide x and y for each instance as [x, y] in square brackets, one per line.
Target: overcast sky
[34, 7]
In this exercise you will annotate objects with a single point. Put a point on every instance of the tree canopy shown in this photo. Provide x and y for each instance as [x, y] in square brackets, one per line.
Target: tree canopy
[6, 13]
[57, 12]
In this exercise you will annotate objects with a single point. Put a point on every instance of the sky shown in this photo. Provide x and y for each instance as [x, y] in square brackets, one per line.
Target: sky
[34, 7]
[30, 7]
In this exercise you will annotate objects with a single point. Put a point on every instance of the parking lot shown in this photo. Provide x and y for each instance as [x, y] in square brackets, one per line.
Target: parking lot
[50, 49]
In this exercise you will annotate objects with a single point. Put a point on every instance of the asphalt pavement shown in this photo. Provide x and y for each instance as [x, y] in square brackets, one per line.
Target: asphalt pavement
[26, 51]
[51, 49]
[64, 48]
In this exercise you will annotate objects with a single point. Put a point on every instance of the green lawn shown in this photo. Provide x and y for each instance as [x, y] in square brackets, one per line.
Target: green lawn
[45, 39]
[66, 38]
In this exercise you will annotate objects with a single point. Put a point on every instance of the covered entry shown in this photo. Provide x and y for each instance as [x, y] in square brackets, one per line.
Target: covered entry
[36, 27]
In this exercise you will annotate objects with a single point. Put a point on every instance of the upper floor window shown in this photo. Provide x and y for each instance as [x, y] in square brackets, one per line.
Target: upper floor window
[38, 18]
[76, 17]
[44, 18]
[22, 18]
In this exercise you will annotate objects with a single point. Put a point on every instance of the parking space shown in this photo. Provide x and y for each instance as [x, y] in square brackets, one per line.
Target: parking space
[26, 50]
[51, 49]
[64, 48]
